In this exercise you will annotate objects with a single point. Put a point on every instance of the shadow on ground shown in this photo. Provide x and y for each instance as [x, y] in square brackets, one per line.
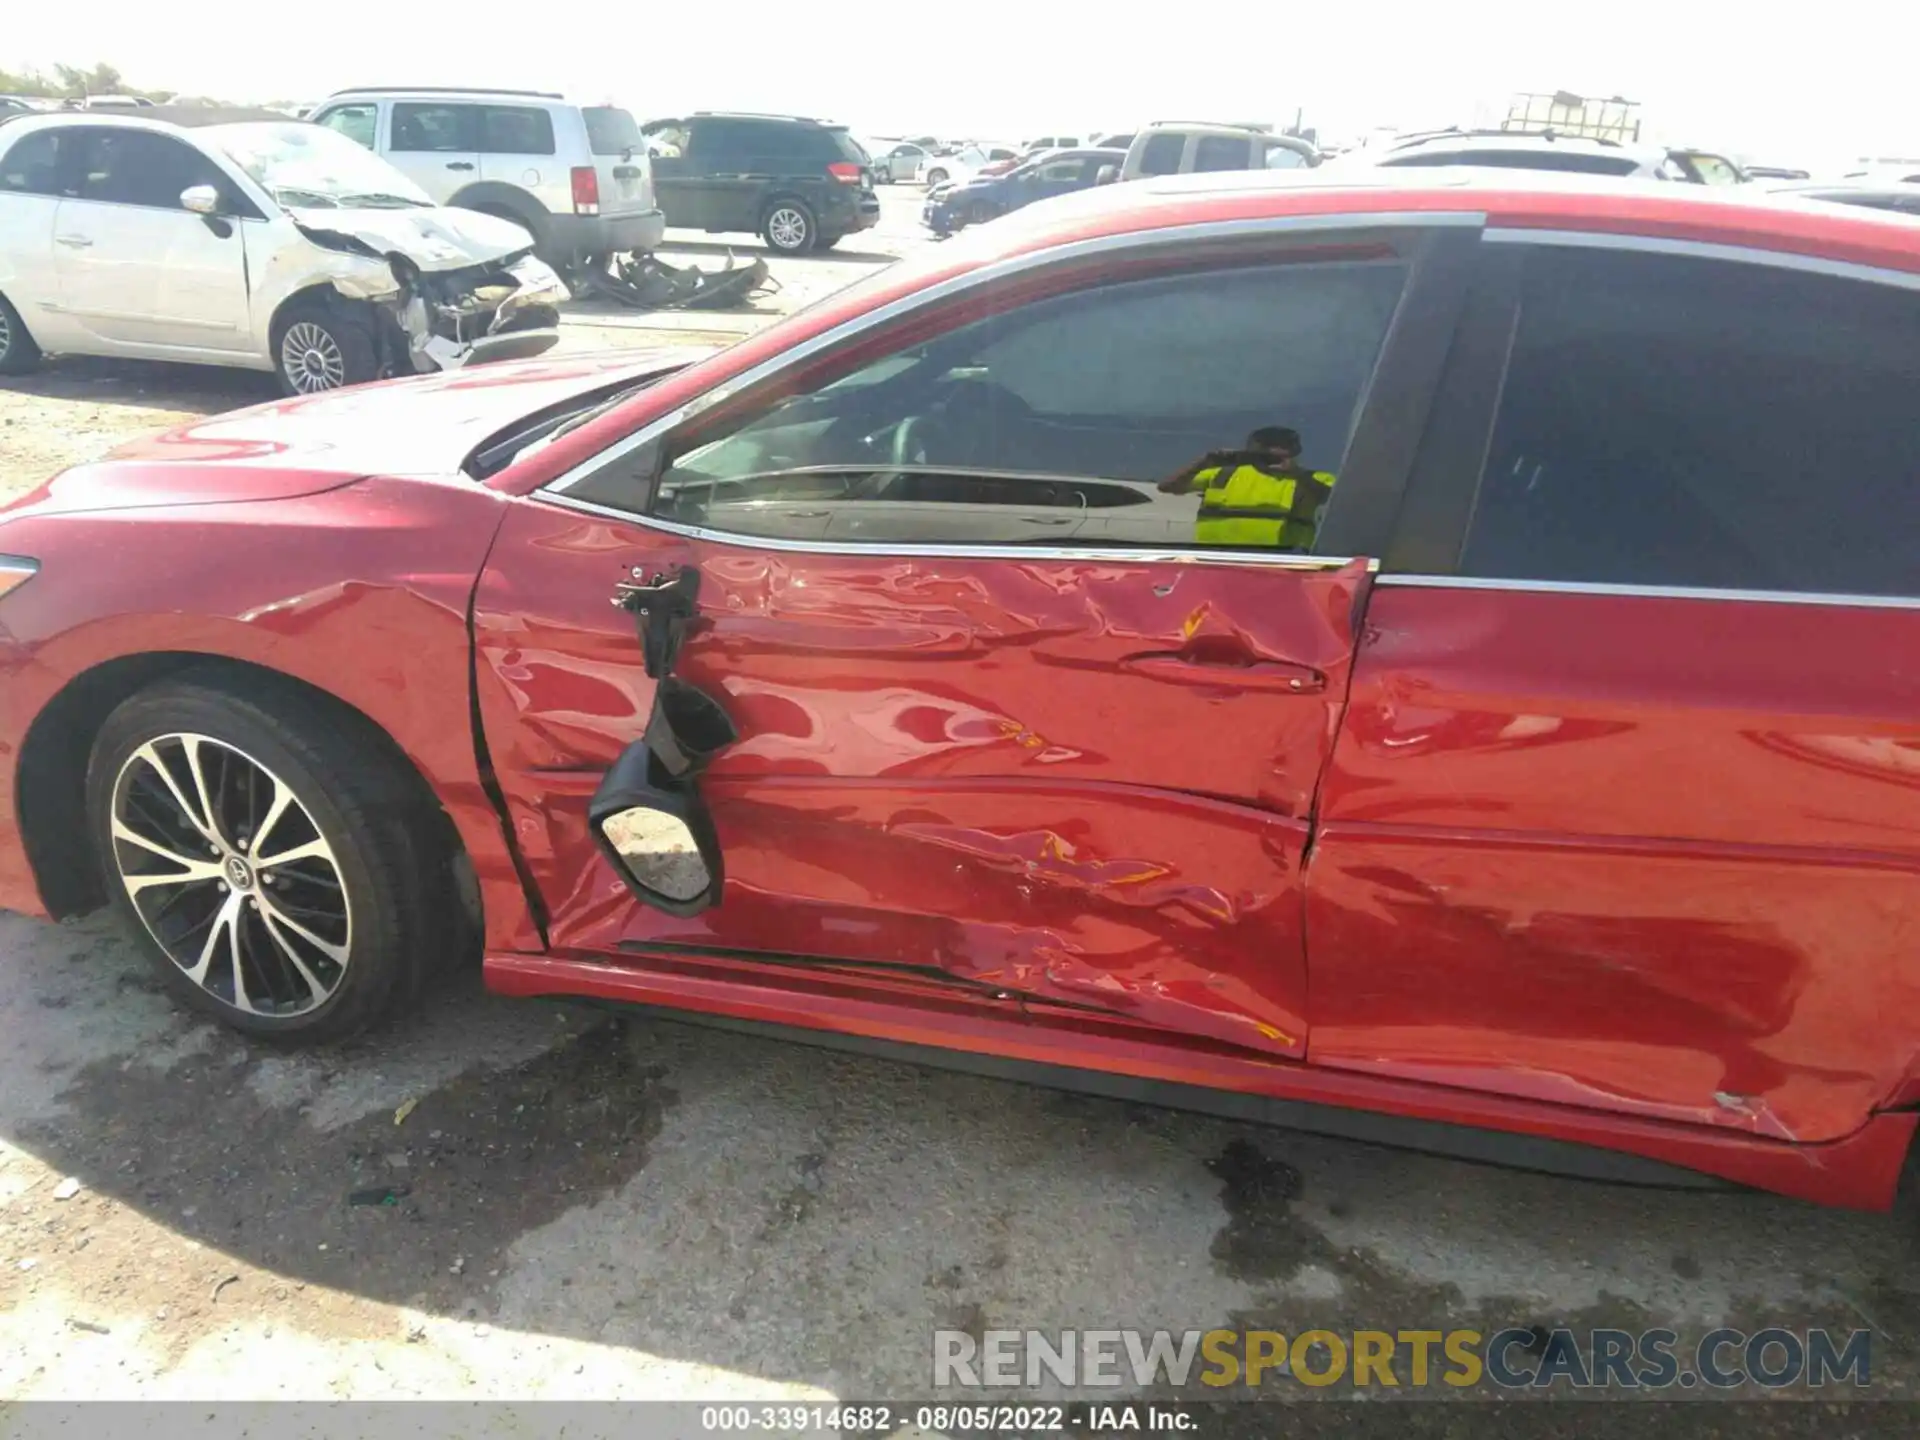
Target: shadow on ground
[145, 384]
[779, 1212]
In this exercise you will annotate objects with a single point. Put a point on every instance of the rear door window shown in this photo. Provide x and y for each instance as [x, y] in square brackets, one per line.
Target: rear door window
[514, 130]
[434, 127]
[1683, 422]
[1220, 152]
[1161, 154]
[33, 165]
[140, 167]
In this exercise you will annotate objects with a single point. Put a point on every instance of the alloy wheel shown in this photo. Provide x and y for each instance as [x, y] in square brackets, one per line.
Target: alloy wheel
[231, 876]
[311, 359]
[787, 228]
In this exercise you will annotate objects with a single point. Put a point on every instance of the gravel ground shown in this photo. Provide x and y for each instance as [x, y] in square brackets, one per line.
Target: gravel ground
[504, 1199]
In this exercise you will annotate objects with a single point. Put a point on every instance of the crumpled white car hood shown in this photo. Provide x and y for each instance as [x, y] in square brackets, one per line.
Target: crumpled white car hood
[437, 238]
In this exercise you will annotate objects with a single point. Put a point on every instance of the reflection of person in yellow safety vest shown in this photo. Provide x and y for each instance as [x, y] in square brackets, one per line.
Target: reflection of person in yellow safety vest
[1256, 497]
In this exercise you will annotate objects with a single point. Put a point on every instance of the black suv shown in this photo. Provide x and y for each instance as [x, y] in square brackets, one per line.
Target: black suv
[799, 184]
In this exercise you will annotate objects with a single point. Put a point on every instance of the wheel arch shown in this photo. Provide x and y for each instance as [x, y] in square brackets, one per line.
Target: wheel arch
[52, 772]
[21, 314]
[320, 293]
[497, 198]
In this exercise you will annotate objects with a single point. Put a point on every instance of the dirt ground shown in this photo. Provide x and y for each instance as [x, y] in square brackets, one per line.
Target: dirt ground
[501, 1199]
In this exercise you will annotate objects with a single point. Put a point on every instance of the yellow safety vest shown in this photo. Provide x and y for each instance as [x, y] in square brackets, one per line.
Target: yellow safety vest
[1249, 507]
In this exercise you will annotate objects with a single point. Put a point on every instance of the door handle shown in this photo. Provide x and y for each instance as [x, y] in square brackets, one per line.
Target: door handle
[73, 242]
[1245, 673]
[459, 164]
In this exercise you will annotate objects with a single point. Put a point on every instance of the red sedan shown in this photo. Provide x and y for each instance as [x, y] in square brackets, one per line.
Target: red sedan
[934, 674]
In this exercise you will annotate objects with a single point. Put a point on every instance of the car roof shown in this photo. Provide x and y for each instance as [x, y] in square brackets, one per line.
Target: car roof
[1539, 201]
[1523, 140]
[1077, 152]
[482, 92]
[1848, 193]
[155, 117]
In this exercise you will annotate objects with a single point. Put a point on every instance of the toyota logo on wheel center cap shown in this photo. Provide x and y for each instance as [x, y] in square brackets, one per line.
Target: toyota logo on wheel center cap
[239, 874]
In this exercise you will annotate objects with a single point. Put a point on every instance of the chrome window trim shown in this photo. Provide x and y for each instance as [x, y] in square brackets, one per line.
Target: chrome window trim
[1118, 554]
[1278, 226]
[1703, 250]
[1662, 592]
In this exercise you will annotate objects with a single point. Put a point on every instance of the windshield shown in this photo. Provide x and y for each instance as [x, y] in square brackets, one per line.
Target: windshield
[610, 130]
[303, 165]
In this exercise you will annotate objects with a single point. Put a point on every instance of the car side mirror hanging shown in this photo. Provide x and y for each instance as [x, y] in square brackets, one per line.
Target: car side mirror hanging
[657, 833]
[647, 814]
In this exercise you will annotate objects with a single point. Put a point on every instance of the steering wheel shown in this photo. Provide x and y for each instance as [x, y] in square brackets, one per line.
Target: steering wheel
[910, 438]
[925, 439]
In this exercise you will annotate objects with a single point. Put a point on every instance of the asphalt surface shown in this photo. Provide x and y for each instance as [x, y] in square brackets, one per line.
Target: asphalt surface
[500, 1199]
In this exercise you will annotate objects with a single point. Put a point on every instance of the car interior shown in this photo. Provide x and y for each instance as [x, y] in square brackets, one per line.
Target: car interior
[1122, 386]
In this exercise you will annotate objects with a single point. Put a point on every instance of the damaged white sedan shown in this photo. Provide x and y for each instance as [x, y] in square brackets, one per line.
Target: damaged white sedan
[237, 237]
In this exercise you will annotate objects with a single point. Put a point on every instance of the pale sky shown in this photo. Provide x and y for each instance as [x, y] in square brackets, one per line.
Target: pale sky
[1817, 84]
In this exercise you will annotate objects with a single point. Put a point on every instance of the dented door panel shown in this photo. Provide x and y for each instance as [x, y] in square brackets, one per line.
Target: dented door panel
[1651, 854]
[1088, 779]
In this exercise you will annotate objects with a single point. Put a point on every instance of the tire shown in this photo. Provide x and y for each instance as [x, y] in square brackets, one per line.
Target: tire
[319, 347]
[827, 242]
[788, 227]
[362, 860]
[936, 176]
[18, 353]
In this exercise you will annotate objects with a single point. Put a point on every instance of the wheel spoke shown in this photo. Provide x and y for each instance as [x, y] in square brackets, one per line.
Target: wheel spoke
[240, 996]
[273, 921]
[275, 915]
[159, 767]
[223, 922]
[190, 745]
[193, 867]
[314, 849]
[276, 807]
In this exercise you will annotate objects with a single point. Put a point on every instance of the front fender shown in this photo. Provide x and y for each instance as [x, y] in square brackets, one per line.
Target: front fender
[362, 592]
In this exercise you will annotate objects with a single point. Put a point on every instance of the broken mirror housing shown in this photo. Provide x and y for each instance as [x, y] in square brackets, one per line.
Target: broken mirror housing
[657, 833]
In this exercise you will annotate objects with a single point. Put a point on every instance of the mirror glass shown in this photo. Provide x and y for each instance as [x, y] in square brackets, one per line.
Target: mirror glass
[659, 851]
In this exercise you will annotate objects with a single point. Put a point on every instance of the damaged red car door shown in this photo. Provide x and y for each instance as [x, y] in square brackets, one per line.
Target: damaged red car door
[1622, 816]
[1003, 723]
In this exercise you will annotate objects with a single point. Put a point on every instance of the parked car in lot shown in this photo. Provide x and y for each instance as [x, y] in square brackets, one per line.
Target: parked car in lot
[236, 237]
[1051, 142]
[1518, 150]
[575, 176]
[1551, 790]
[897, 164]
[1902, 199]
[1052, 173]
[1176, 147]
[799, 184]
[964, 162]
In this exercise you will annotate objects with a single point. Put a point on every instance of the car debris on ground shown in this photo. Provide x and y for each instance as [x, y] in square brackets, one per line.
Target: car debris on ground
[646, 282]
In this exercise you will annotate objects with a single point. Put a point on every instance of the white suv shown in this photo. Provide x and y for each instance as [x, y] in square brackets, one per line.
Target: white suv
[575, 175]
[1180, 147]
[238, 237]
